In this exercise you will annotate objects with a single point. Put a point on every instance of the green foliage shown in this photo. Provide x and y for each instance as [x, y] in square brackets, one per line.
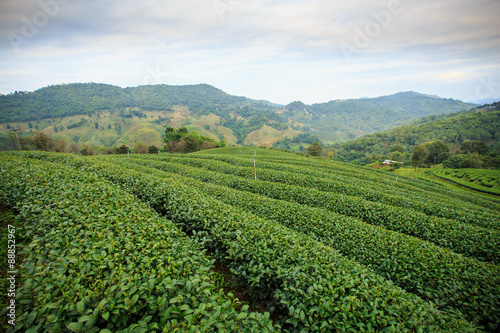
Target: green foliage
[419, 155]
[474, 146]
[452, 129]
[437, 152]
[91, 99]
[192, 143]
[402, 219]
[123, 149]
[397, 147]
[61, 101]
[153, 149]
[456, 161]
[331, 247]
[486, 181]
[305, 138]
[101, 260]
[356, 117]
[181, 141]
[371, 245]
[314, 286]
[278, 126]
[336, 121]
[78, 124]
[42, 141]
[314, 149]
[140, 148]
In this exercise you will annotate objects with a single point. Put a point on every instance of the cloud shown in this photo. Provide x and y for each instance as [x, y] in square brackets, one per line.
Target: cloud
[253, 47]
[452, 77]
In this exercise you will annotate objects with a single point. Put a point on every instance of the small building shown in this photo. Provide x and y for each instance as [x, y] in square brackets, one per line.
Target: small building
[389, 162]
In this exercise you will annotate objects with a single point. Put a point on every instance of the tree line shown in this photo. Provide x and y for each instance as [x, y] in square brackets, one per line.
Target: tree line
[182, 141]
[472, 154]
[176, 141]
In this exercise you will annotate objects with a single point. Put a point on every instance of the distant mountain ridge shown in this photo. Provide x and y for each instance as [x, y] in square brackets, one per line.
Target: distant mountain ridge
[369, 115]
[102, 114]
[85, 98]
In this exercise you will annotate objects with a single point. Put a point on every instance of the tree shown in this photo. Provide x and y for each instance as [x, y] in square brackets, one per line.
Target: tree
[314, 149]
[396, 156]
[59, 145]
[437, 152]
[177, 146]
[474, 146]
[42, 141]
[87, 150]
[152, 149]
[140, 148]
[73, 148]
[454, 161]
[12, 141]
[182, 141]
[208, 145]
[172, 135]
[418, 156]
[123, 149]
[192, 143]
[397, 147]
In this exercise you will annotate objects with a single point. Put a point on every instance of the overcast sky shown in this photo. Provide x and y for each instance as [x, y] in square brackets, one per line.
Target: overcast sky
[314, 51]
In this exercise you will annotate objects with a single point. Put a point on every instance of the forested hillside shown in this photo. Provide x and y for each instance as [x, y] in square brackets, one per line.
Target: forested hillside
[103, 115]
[62, 101]
[480, 124]
[356, 117]
[88, 98]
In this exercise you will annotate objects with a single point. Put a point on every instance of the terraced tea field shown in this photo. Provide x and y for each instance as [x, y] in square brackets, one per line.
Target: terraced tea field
[477, 181]
[128, 243]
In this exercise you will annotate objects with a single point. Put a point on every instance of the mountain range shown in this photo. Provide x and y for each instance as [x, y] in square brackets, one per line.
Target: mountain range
[106, 115]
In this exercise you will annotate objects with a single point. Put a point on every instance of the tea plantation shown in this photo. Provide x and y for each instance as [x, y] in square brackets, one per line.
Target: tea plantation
[128, 244]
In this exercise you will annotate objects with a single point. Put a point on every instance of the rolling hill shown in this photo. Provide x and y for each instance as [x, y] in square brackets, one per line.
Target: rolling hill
[138, 243]
[352, 118]
[105, 115]
[481, 123]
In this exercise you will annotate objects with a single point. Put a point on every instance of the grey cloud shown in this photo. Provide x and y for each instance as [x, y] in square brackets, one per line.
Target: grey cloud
[454, 33]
